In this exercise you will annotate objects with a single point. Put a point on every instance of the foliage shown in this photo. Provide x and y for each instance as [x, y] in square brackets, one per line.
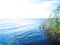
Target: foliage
[51, 26]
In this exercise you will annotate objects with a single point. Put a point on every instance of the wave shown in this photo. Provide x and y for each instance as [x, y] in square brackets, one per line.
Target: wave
[11, 32]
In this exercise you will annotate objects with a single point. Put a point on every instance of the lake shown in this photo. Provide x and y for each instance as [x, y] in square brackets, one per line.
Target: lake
[22, 32]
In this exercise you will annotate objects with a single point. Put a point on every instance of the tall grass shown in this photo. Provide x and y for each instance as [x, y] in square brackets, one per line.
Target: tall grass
[51, 26]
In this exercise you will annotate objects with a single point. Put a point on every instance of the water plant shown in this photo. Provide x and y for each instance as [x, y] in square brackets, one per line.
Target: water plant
[51, 26]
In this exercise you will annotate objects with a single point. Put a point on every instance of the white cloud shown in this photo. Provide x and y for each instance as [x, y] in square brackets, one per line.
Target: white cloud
[24, 9]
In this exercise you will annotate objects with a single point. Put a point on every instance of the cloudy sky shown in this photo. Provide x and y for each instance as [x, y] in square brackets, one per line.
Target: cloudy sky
[27, 8]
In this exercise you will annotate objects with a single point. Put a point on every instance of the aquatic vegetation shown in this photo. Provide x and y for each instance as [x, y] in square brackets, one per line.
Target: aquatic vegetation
[51, 26]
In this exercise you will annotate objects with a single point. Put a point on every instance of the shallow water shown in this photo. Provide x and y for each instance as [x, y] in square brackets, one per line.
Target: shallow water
[22, 32]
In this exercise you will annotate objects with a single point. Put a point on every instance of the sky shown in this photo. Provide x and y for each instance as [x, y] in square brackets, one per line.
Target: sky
[27, 8]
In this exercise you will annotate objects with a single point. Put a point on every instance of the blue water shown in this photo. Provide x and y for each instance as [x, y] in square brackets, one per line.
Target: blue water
[22, 32]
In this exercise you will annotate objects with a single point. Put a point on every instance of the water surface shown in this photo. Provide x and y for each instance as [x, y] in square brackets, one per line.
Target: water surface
[22, 32]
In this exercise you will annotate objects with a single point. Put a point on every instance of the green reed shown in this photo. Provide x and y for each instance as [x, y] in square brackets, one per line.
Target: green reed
[51, 26]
